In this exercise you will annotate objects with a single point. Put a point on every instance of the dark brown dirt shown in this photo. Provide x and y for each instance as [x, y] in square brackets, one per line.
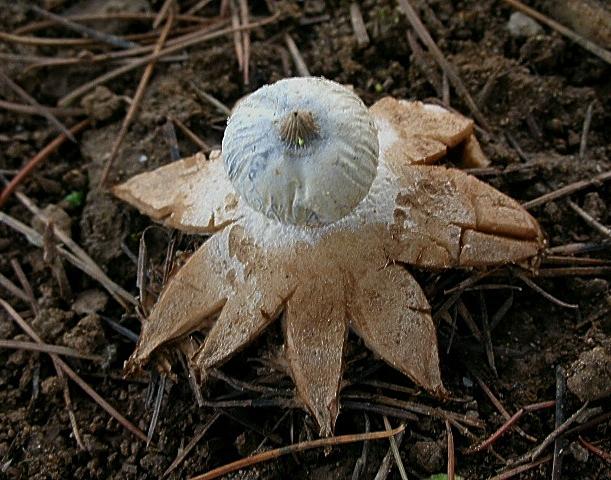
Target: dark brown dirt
[534, 89]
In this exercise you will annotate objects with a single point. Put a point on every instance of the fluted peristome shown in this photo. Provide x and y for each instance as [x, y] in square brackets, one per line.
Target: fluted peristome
[317, 174]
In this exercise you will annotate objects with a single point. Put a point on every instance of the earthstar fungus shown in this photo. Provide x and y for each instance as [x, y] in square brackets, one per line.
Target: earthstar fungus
[314, 208]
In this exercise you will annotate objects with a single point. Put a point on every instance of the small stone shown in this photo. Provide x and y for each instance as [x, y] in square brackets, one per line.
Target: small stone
[51, 322]
[51, 385]
[521, 25]
[87, 335]
[578, 452]
[428, 455]
[595, 206]
[152, 462]
[57, 215]
[101, 104]
[590, 376]
[90, 301]
[574, 138]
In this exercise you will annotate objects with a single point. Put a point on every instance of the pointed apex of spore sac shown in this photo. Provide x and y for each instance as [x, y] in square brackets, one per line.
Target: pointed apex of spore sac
[298, 128]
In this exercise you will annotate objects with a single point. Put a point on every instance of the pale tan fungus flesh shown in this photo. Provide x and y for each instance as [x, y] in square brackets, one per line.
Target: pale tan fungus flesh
[343, 275]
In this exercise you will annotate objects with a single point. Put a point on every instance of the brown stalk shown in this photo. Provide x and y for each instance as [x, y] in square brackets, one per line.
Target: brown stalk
[237, 35]
[567, 190]
[163, 13]
[46, 348]
[73, 375]
[542, 292]
[358, 25]
[522, 468]
[499, 406]
[386, 465]
[198, 6]
[83, 263]
[595, 224]
[424, 63]
[96, 17]
[135, 104]
[206, 97]
[190, 134]
[31, 110]
[14, 289]
[39, 158]
[41, 109]
[595, 450]
[85, 31]
[67, 399]
[245, 19]
[578, 39]
[300, 65]
[181, 43]
[299, 447]
[25, 284]
[583, 144]
[573, 272]
[558, 431]
[508, 424]
[54, 261]
[194, 441]
[395, 450]
[451, 455]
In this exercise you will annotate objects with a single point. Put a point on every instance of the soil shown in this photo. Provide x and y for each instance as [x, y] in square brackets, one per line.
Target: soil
[535, 91]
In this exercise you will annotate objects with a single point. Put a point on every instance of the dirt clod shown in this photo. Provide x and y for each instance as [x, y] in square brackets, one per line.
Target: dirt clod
[428, 455]
[86, 336]
[590, 375]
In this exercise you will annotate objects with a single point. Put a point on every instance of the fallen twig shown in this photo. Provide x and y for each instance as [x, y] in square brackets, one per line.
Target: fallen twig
[558, 431]
[300, 65]
[595, 224]
[204, 147]
[512, 472]
[244, 20]
[194, 441]
[358, 25]
[44, 111]
[445, 65]
[395, 450]
[542, 292]
[74, 376]
[559, 443]
[583, 144]
[30, 110]
[177, 45]
[361, 462]
[567, 190]
[508, 424]
[37, 159]
[299, 447]
[451, 455]
[578, 39]
[595, 450]
[118, 293]
[46, 348]
[135, 104]
[499, 406]
[86, 31]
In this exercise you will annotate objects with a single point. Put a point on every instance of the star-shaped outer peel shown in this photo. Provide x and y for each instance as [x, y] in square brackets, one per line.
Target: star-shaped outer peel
[324, 280]
[193, 195]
